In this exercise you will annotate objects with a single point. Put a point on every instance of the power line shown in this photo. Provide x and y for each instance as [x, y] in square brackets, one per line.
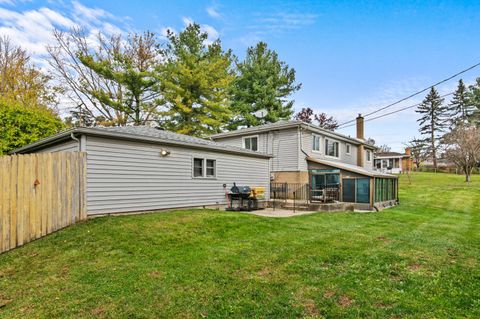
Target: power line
[393, 112]
[417, 93]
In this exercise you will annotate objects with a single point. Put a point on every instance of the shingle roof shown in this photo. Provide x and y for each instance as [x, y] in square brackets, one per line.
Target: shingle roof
[284, 125]
[142, 133]
[390, 154]
[351, 168]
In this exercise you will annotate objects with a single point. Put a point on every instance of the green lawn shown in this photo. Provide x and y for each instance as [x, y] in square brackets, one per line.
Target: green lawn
[418, 260]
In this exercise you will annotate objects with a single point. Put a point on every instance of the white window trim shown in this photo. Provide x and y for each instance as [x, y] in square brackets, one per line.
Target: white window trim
[319, 143]
[325, 145]
[366, 157]
[214, 176]
[349, 147]
[251, 136]
[204, 168]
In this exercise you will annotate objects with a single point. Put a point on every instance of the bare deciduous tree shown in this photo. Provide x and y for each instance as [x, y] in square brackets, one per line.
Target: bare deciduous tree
[463, 148]
[110, 80]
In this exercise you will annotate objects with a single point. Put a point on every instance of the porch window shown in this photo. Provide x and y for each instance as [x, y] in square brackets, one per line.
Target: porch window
[385, 189]
[331, 148]
[325, 185]
[356, 190]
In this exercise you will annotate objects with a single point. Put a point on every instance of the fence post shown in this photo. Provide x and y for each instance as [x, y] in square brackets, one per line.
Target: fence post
[294, 197]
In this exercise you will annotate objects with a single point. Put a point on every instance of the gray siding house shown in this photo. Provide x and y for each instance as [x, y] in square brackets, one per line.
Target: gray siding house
[325, 161]
[132, 169]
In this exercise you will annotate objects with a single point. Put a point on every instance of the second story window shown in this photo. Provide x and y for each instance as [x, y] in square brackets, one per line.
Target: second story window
[250, 143]
[315, 143]
[347, 149]
[369, 156]
[331, 148]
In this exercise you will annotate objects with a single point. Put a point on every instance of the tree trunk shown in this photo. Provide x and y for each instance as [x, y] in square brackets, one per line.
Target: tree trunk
[467, 178]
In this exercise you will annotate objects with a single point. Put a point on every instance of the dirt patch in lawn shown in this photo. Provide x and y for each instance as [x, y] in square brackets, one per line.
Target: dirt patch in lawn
[344, 301]
[311, 309]
[415, 266]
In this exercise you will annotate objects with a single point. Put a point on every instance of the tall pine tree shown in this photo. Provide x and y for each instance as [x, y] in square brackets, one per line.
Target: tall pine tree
[263, 82]
[459, 108]
[195, 83]
[474, 100]
[433, 121]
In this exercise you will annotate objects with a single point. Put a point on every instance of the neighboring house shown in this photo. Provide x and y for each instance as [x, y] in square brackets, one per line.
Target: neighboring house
[393, 162]
[131, 169]
[325, 160]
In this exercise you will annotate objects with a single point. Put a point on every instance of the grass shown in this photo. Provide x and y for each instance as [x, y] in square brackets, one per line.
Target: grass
[418, 260]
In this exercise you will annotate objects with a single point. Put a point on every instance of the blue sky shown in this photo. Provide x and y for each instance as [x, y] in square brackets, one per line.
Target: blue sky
[351, 56]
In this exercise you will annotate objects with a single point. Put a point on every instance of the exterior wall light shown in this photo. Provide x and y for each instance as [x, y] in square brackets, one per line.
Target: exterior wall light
[164, 153]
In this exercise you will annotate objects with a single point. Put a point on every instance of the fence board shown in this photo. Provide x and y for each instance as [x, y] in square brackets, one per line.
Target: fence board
[40, 193]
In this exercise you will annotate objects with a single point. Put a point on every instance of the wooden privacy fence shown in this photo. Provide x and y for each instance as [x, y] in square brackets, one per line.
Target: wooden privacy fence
[39, 194]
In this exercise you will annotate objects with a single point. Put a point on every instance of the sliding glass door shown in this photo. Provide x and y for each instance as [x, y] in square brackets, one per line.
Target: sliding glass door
[356, 190]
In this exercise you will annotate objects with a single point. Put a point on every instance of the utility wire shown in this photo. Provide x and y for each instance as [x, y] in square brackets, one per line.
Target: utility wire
[393, 112]
[417, 93]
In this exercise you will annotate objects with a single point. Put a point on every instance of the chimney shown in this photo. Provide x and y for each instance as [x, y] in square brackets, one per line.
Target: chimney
[360, 128]
[408, 162]
[361, 136]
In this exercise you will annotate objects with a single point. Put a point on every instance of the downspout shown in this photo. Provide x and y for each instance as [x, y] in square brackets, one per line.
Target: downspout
[301, 142]
[75, 139]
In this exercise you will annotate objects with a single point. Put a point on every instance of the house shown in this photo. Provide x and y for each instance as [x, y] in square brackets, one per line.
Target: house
[132, 169]
[393, 162]
[335, 167]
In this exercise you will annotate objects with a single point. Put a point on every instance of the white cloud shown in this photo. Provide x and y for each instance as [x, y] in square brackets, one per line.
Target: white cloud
[32, 29]
[187, 21]
[213, 12]
[213, 34]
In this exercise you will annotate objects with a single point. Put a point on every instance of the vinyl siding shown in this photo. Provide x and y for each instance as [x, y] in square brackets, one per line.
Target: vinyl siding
[286, 150]
[127, 176]
[67, 146]
[283, 145]
[307, 140]
[238, 141]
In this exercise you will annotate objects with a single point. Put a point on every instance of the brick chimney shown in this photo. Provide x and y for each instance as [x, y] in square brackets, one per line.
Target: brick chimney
[360, 128]
[360, 136]
[408, 162]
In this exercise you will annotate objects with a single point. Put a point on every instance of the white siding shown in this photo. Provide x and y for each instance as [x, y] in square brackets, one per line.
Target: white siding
[283, 145]
[67, 146]
[285, 150]
[307, 139]
[238, 141]
[131, 176]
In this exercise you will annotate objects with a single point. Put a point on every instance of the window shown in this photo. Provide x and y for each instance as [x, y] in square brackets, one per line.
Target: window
[211, 168]
[204, 167]
[198, 167]
[251, 143]
[347, 149]
[315, 143]
[369, 156]
[331, 148]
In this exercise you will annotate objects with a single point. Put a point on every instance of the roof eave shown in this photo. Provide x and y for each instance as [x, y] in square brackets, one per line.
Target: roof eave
[96, 132]
[359, 171]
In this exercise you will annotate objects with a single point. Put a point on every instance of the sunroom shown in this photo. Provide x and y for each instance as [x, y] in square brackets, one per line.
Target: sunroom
[331, 182]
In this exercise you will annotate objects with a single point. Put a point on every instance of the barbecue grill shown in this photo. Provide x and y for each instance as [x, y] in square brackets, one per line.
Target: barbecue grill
[242, 198]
